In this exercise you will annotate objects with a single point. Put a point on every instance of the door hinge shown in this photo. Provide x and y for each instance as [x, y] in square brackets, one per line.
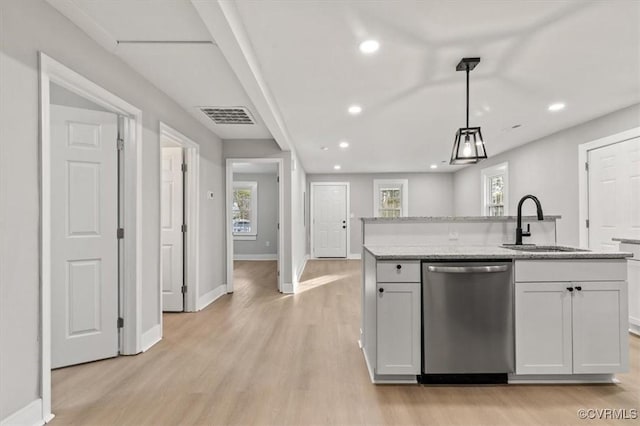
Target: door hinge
[278, 226]
[278, 273]
[184, 227]
[586, 166]
[120, 144]
[183, 289]
[278, 179]
[120, 233]
[587, 222]
[120, 322]
[183, 167]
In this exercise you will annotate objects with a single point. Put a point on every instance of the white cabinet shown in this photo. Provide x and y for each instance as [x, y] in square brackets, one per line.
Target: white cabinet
[633, 273]
[543, 328]
[574, 327]
[599, 333]
[398, 328]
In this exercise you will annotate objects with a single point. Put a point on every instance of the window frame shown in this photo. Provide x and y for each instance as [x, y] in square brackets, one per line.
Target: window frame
[253, 187]
[486, 174]
[401, 184]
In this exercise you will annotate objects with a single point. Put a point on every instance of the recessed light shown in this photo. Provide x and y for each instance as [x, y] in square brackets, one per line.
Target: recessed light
[556, 107]
[369, 46]
[325, 148]
[337, 167]
[355, 109]
[434, 166]
[344, 144]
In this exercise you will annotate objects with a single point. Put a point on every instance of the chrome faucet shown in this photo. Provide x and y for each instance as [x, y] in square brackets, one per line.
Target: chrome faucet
[519, 233]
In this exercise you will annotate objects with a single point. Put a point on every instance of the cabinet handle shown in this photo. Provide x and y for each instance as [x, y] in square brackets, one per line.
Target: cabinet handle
[578, 288]
[570, 289]
[381, 290]
[398, 267]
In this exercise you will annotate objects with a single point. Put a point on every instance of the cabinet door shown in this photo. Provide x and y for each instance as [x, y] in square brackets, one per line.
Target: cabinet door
[398, 328]
[543, 328]
[600, 327]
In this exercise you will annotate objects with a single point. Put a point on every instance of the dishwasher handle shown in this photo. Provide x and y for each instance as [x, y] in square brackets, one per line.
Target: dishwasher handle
[468, 269]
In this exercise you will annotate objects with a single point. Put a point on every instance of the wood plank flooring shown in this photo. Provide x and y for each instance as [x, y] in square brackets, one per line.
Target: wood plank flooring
[260, 357]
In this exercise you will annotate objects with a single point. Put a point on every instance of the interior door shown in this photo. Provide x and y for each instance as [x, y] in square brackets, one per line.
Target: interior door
[330, 220]
[172, 202]
[84, 222]
[614, 194]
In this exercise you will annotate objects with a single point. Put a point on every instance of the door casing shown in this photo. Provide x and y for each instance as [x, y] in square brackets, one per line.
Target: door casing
[229, 215]
[583, 177]
[52, 71]
[191, 216]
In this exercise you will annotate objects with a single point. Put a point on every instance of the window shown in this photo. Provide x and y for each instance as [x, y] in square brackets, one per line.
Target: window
[495, 184]
[390, 197]
[245, 210]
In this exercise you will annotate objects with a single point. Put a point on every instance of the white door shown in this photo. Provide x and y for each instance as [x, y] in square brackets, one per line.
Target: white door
[543, 328]
[614, 194]
[600, 334]
[398, 331]
[172, 202]
[330, 220]
[84, 245]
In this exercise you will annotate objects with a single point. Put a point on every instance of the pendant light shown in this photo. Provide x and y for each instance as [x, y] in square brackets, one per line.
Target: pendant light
[468, 147]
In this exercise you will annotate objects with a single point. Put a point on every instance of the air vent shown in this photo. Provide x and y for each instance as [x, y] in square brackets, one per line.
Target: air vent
[228, 115]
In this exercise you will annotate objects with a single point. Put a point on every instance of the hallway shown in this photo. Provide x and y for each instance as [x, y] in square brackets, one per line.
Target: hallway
[260, 357]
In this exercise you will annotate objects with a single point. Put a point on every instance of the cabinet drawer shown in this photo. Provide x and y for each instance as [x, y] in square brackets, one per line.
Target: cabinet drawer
[571, 270]
[403, 271]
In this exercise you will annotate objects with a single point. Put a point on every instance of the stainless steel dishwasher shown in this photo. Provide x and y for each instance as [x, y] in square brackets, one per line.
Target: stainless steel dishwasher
[468, 331]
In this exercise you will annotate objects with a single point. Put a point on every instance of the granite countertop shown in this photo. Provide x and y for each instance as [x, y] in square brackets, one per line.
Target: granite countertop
[481, 252]
[456, 219]
[627, 240]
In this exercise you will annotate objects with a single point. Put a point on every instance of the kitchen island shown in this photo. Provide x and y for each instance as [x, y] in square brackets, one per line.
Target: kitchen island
[569, 309]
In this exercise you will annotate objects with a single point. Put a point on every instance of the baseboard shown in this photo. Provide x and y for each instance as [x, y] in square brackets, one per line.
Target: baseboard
[634, 329]
[30, 415]
[269, 256]
[560, 378]
[288, 288]
[211, 296]
[354, 256]
[151, 337]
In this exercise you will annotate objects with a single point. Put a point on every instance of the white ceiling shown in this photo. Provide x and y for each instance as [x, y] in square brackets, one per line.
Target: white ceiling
[299, 63]
[193, 74]
[534, 53]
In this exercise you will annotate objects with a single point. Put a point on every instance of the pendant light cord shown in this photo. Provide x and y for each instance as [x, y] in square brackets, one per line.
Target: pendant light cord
[467, 96]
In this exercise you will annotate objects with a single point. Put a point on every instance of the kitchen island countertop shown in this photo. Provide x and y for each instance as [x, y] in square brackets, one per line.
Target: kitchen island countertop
[465, 252]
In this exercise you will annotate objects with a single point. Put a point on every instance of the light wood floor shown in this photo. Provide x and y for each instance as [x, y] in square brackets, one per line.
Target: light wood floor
[259, 357]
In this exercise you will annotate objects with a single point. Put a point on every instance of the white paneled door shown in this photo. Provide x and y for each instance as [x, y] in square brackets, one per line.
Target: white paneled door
[84, 222]
[614, 194]
[172, 202]
[330, 219]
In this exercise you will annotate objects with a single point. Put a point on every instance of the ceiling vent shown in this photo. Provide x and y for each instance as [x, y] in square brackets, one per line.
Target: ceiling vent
[228, 115]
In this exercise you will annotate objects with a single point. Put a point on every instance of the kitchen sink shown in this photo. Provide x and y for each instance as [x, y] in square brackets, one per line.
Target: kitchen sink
[535, 248]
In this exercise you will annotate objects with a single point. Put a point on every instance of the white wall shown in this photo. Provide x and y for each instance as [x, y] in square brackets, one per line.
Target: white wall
[26, 27]
[547, 168]
[267, 216]
[430, 194]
